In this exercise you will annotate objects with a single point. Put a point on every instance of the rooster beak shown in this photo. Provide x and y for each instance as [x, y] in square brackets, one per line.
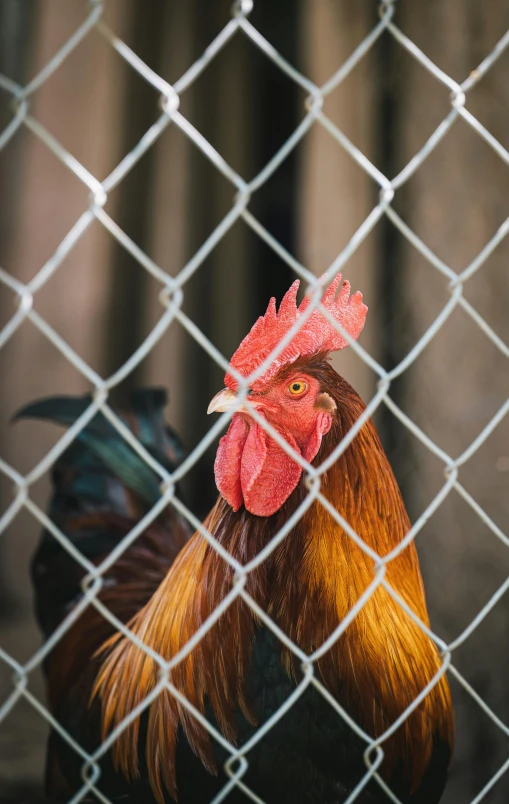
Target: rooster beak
[224, 400]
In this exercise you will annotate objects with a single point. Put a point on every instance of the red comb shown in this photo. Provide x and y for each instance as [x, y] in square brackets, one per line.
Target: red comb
[317, 334]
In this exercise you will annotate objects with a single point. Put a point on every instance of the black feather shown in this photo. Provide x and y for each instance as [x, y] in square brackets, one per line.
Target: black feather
[96, 475]
[105, 442]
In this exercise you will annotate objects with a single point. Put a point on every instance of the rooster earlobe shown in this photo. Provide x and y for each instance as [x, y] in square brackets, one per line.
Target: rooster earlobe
[323, 424]
[325, 403]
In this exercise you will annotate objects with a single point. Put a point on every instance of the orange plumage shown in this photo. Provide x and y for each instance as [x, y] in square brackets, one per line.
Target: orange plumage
[375, 669]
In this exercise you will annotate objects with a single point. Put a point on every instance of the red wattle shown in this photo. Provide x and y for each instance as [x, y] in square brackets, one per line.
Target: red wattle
[252, 469]
[268, 475]
[227, 463]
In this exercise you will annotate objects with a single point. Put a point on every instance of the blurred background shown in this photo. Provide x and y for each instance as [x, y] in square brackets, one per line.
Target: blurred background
[104, 304]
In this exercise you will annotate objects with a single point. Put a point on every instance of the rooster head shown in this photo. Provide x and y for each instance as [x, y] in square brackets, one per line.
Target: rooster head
[251, 467]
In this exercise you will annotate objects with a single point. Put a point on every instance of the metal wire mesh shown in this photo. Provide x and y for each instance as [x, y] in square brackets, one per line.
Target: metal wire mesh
[171, 296]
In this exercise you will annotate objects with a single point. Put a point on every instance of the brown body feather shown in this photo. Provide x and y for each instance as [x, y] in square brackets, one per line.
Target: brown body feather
[125, 591]
[376, 668]
[70, 668]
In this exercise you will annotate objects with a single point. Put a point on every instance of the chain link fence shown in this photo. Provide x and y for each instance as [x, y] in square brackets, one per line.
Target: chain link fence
[172, 290]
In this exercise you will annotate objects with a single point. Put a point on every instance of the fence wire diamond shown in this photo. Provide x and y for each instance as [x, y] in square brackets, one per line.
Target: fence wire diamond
[171, 297]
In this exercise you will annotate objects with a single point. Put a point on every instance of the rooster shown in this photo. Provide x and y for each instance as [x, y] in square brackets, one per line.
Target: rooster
[101, 490]
[240, 674]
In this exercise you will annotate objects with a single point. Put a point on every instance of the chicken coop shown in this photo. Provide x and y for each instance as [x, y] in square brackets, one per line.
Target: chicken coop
[166, 169]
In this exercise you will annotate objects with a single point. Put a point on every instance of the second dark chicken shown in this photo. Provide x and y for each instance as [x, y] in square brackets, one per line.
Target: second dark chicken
[101, 489]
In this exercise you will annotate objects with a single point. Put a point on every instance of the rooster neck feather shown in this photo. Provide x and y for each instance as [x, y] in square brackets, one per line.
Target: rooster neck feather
[376, 668]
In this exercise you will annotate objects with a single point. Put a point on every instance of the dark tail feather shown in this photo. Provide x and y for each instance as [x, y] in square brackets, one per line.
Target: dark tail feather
[101, 487]
[145, 420]
[60, 409]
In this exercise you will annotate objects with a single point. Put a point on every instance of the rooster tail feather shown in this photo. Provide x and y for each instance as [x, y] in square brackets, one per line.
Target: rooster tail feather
[101, 488]
[145, 420]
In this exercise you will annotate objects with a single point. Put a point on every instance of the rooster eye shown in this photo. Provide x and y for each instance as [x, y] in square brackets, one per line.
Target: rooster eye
[297, 388]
